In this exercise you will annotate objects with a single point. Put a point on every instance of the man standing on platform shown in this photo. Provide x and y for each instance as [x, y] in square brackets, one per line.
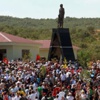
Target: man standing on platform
[61, 16]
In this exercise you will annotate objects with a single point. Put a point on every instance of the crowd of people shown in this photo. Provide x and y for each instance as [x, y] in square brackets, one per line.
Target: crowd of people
[48, 80]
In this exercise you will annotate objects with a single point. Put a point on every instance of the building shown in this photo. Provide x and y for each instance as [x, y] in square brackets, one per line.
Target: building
[14, 47]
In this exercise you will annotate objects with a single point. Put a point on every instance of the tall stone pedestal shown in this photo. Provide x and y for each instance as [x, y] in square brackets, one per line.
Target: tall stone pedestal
[61, 46]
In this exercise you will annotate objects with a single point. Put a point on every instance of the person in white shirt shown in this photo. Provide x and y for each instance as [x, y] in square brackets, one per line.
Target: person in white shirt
[68, 74]
[17, 97]
[83, 96]
[69, 96]
[63, 77]
[33, 95]
[13, 89]
[35, 85]
[61, 94]
[17, 87]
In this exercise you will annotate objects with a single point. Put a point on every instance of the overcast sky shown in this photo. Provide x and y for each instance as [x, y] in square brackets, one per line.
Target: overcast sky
[49, 8]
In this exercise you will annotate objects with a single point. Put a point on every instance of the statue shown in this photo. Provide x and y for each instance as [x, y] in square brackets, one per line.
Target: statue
[61, 16]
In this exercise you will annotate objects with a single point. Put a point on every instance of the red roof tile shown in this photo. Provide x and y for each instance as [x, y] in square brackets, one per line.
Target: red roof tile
[5, 37]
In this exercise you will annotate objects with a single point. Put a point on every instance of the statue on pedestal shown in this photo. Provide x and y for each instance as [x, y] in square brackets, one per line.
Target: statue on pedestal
[61, 16]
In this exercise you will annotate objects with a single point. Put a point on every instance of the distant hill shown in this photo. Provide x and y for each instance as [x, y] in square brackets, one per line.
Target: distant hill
[49, 23]
[36, 27]
[85, 32]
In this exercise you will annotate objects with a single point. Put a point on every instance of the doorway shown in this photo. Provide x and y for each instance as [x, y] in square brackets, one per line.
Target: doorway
[2, 54]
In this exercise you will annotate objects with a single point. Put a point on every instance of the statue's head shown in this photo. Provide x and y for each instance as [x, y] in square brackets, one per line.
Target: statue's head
[61, 5]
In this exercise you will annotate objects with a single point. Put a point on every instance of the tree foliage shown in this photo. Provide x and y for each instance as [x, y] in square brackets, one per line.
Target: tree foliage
[85, 32]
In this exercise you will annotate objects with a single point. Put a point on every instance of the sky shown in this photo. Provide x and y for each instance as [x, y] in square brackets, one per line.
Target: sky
[49, 8]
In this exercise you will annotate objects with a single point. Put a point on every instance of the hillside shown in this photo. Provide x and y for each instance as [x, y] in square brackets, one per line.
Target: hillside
[85, 32]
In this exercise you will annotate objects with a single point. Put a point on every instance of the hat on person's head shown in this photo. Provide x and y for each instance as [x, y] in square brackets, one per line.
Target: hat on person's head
[69, 93]
[43, 98]
[54, 85]
[43, 83]
[79, 80]
[48, 75]
[82, 91]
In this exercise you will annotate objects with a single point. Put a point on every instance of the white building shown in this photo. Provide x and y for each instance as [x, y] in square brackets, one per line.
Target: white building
[14, 47]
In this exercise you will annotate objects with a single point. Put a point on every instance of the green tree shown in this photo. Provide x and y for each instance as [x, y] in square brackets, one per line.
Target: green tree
[91, 30]
[84, 57]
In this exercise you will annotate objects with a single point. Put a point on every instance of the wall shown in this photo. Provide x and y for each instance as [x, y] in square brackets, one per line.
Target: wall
[44, 53]
[9, 49]
[14, 50]
[17, 51]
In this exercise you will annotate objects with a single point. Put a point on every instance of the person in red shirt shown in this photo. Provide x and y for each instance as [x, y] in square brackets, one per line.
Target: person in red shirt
[5, 60]
[5, 96]
[55, 91]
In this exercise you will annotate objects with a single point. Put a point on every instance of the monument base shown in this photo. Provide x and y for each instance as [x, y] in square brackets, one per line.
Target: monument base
[61, 46]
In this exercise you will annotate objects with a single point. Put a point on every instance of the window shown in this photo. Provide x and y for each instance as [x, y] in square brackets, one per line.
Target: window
[25, 54]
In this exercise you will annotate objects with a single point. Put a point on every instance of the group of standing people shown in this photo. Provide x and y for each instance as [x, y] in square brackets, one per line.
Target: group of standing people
[48, 80]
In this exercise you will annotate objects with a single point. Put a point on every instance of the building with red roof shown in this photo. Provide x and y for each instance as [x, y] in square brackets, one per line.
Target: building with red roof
[14, 47]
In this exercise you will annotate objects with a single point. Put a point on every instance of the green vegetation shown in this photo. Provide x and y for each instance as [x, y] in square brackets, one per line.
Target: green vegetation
[84, 32]
[85, 74]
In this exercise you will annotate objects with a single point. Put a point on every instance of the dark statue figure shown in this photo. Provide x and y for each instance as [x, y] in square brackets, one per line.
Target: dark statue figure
[61, 16]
